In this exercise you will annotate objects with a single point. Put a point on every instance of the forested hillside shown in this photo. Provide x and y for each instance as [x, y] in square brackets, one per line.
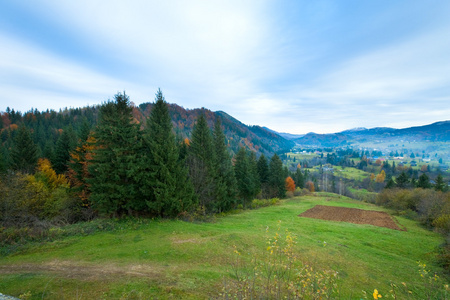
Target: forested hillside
[117, 159]
[48, 127]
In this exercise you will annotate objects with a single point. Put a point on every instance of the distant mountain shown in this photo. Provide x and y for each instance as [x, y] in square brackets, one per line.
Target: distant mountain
[288, 136]
[254, 138]
[439, 131]
[354, 130]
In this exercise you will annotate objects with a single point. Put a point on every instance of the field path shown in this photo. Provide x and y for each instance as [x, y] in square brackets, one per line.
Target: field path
[74, 270]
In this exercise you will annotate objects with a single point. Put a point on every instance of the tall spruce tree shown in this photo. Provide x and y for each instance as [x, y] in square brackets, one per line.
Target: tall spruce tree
[3, 166]
[170, 187]
[114, 166]
[254, 175]
[65, 144]
[201, 158]
[224, 182]
[440, 185]
[263, 173]
[299, 178]
[24, 154]
[243, 173]
[276, 178]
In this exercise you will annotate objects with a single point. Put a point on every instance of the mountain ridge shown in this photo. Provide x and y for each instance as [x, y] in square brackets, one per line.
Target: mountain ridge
[437, 131]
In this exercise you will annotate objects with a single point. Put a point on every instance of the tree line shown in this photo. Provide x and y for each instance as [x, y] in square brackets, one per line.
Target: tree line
[120, 167]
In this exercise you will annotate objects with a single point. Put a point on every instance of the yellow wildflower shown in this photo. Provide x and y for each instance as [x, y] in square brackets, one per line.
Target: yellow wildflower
[375, 294]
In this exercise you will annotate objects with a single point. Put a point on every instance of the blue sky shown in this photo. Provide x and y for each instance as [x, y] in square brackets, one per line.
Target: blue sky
[293, 66]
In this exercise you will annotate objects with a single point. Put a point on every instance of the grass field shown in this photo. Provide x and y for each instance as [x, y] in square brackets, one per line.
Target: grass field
[350, 173]
[141, 259]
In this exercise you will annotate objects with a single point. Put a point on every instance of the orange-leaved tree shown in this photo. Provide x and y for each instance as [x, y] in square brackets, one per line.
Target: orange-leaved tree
[310, 186]
[290, 184]
[78, 169]
[381, 177]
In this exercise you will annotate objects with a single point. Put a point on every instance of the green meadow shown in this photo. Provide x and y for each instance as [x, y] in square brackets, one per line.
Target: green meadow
[172, 259]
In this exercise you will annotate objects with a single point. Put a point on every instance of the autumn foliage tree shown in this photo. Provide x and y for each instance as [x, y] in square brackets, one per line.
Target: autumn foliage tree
[310, 186]
[290, 184]
[381, 176]
[78, 173]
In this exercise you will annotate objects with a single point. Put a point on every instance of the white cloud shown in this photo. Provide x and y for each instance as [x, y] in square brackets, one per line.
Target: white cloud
[32, 77]
[245, 58]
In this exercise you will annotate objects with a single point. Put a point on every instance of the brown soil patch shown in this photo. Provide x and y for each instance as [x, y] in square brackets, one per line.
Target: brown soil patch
[73, 270]
[351, 215]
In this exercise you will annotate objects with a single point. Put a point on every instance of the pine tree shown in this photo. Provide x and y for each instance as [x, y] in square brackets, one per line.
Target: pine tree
[424, 181]
[48, 151]
[65, 144]
[201, 164]
[263, 173]
[276, 178]
[171, 190]
[439, 185]
[24, 153]
[225, 181]
[84, 131]
[3, 166]
[254, 175]
[243, 177]
[402, 180]
[114, 165]
[299, 178]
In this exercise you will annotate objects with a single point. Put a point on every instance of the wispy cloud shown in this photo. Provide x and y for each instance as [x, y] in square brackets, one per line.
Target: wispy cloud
[297, 67]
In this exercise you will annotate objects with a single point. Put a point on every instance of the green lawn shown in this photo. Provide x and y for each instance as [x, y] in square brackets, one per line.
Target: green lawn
[176, 259]
[350, 173]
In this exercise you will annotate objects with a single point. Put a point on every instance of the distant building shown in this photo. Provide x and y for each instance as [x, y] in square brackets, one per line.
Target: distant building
[413, 163]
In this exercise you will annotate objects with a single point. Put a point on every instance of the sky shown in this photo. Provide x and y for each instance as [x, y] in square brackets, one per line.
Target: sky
[292, 66]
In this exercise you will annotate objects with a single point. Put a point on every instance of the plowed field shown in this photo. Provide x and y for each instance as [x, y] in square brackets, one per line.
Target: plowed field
[351, 215]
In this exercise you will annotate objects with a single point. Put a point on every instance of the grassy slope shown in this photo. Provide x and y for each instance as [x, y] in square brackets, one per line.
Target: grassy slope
[189, 260]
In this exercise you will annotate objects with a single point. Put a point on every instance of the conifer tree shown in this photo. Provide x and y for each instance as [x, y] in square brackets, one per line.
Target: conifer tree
[65, 144]
[402, 180]
[84, 131]
[424, 181]
[276, 178]
[253, 172]
[225, 182]
[201, 158]
[299, 179]
[243, 176]
[48, 151]
[114, 166]
[24, 153]
[3, 167]
[263, 173]
[439, 185]
[171, 191]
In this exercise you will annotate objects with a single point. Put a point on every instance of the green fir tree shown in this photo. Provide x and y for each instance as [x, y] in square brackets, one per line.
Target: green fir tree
[24, 154]
[225, 181]
[263, 173]
[276, 179]
[114, 167]
[171, 190]
[244, 178]
[201, 159]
